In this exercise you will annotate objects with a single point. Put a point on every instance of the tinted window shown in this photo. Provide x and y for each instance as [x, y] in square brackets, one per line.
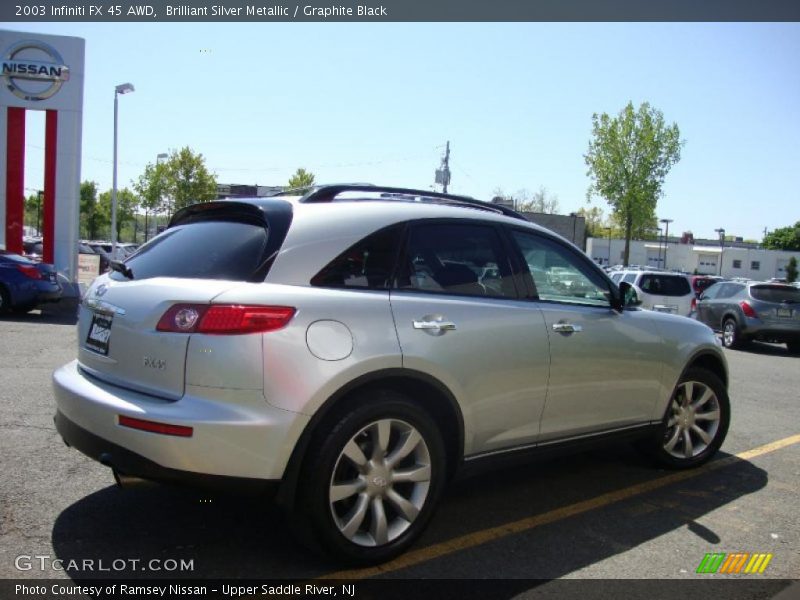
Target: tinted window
[769, 293]
[665, 285]
[728, 290]
[629, 278]
[616, 277]
[558, 274]
[456, 259]
[366, 265]
[202, 250]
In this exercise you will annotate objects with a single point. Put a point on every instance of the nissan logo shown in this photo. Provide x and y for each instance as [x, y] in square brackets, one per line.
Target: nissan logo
[33, 70]
[101, 289]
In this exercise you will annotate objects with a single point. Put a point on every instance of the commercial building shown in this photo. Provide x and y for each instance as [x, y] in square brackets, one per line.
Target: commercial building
[706, 257]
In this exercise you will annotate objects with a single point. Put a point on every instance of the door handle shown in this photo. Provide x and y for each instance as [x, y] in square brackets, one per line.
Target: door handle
[567, 328]
[435, 326]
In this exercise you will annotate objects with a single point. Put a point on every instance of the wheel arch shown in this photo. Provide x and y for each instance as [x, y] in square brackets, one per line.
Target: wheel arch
[425, 391]
[710, 362]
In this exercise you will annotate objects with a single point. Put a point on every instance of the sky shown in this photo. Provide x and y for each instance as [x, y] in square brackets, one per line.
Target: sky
[376, 103]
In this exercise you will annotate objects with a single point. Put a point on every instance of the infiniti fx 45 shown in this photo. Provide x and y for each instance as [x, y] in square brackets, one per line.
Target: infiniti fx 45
[354, 348]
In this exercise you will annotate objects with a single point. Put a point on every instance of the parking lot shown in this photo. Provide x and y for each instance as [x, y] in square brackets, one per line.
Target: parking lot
[603, 515]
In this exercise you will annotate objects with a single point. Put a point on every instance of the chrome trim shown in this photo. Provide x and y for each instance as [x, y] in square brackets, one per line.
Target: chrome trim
[102, 306]
[557, 441]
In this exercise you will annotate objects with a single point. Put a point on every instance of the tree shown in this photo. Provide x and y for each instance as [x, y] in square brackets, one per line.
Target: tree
[783, 238]
[628, 158]
[525, 201]
[33, 211]
[188, 180]
[127, 203]
[595, 221]
[93, 220]
[301, 179]
[791, 270]
[152, 187]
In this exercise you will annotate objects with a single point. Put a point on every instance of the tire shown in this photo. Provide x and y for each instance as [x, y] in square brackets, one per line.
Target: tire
[351, 503]
[5, 300]
[699, 393]
[793, 347]
[23, 309]
[731, 336]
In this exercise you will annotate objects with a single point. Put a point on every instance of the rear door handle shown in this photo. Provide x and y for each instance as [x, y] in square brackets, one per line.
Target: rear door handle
[567, 328]
[434, 326]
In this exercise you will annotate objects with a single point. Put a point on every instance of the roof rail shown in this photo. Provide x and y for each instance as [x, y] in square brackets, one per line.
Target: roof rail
[327, 193]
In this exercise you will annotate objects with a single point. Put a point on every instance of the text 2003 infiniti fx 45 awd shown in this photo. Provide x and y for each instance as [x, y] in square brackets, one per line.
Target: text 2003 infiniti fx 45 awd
[354, 348]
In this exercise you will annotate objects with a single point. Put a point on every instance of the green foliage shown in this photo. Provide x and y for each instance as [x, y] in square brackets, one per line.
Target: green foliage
[301, 180]
[127, 203]
[34, 208]
[596, 225]
[188, 181]
[92, 220]
[538, 202]
[791, 270]
[783, 238]
[628, 158]
[152, 187]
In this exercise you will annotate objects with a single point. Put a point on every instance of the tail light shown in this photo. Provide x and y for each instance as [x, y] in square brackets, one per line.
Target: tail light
[224, 319]
[30, 271]
[694, 303]
[748, 310]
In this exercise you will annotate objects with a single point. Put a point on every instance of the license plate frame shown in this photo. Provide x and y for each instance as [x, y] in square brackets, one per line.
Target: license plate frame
[99, 337]
[784, 313]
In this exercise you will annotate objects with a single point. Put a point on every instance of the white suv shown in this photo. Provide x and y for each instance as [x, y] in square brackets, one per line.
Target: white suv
[659, 290]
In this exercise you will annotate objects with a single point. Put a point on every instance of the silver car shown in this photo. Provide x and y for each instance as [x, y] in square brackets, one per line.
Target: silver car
[353, 349]
[742, 311]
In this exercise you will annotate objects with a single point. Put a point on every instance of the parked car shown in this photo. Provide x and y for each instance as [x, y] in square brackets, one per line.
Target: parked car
[769, 312]
[702, 282]
[660, 291]
[24, 284]
[352, 353]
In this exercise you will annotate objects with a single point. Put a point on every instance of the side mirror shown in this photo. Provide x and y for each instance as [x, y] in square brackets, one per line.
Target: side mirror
[629, 296]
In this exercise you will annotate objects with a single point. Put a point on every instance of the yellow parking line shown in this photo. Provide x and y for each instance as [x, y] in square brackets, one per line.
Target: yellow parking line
[483, 536]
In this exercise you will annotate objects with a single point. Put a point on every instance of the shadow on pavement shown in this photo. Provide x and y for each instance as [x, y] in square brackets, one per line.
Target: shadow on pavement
[229, 537]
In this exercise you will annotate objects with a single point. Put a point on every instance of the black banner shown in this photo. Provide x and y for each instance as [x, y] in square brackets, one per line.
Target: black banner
[397, 10]
[405, 589]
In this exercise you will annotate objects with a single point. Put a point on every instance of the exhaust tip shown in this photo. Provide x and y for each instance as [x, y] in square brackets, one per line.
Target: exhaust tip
[128, 481]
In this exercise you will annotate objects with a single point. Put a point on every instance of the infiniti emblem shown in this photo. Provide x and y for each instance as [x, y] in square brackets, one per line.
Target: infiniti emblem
[101, 289]
[379, 481]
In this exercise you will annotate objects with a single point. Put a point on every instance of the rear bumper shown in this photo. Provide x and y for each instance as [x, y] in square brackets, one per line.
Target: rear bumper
[126, 462]
[771, 332]
[235, 433]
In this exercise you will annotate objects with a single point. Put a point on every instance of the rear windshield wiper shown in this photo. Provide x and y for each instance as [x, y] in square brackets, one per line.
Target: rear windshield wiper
[121, 267]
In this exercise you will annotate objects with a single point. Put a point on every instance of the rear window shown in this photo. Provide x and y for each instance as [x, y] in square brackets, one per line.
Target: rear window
[202, 250]
[775, 293]
[665, 285]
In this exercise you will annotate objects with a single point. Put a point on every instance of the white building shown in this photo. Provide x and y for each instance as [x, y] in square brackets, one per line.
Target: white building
[730, 261]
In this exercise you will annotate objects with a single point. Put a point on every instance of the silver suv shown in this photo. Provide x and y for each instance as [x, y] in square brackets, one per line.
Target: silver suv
[355, 348]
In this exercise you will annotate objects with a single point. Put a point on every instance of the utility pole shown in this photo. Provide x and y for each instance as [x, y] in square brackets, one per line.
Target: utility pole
[443, 173]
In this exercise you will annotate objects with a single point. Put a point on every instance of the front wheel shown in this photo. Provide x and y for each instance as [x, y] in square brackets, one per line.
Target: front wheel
[370, 486]
[695, 423]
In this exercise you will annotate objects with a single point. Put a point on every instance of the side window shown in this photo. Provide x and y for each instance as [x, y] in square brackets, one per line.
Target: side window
[616, 277]
[558, 274]
[368, 264]
[729, 290]
[630, 277]
[454, 258]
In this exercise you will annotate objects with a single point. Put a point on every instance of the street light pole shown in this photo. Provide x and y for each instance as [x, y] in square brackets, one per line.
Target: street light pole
[721, 232]
[123, 88]
[666, 239]
[608, 230]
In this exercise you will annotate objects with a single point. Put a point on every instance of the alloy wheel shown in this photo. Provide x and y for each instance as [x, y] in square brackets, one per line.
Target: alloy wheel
[380, 482]
[694, 420]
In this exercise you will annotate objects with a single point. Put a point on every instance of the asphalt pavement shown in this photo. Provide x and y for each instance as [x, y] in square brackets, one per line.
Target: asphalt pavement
[604, 515]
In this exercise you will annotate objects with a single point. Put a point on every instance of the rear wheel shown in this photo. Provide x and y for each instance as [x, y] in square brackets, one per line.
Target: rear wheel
[793, 347]
[371, 482]
[731, 338]
[695, 423]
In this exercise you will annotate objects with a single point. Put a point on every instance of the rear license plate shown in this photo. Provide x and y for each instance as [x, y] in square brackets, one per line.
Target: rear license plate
[785, 312]
[99, 333]
[665, 308]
